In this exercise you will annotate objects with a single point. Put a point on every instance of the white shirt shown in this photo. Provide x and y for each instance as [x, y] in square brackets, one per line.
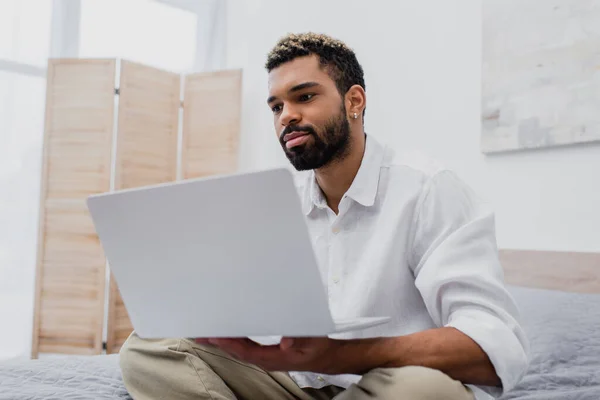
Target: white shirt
[413, 242]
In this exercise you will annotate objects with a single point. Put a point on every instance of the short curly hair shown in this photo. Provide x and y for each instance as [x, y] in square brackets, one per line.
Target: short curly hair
[339, 60]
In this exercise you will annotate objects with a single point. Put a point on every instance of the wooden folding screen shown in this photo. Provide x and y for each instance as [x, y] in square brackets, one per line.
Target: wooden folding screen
[146, 154]
[71, 274]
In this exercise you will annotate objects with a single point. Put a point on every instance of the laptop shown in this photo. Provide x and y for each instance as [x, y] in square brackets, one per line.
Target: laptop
[220, 256]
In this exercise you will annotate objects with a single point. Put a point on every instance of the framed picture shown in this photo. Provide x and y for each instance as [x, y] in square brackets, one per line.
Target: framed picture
[541, 73]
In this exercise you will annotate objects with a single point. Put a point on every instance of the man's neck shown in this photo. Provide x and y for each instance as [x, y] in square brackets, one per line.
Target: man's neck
[336, 178]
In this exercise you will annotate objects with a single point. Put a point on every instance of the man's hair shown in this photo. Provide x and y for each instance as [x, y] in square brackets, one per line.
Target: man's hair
[336, 57]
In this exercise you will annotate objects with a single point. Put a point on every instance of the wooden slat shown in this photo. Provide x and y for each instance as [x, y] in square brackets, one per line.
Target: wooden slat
[69, 292]
[566, 271]
[149, 103]
[211, 123]
[74, 347]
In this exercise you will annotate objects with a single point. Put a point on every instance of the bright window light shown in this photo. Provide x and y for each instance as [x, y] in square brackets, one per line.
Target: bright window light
[22, 100]
[144, 31]
[25, 31]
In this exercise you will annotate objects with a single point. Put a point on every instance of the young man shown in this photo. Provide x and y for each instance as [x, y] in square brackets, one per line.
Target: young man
[394, 234]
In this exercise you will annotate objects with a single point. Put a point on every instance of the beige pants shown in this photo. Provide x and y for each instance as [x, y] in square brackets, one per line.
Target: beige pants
[181, 369]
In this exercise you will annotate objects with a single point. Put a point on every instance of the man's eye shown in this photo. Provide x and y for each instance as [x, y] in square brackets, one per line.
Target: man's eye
[306, 97]
[276, 108]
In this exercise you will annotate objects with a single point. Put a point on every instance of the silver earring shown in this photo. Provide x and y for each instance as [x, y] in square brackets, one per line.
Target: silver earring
[355, 115]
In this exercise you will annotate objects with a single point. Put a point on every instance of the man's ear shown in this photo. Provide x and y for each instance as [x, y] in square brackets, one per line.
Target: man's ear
[355, 100]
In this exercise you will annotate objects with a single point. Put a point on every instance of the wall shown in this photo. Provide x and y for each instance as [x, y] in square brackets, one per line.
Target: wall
[422, 64]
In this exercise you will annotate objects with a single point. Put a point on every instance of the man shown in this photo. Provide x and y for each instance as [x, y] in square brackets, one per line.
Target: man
[394, 234]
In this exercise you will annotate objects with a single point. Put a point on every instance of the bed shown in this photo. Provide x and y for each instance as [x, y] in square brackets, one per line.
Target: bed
[62, 378]
[559, 297]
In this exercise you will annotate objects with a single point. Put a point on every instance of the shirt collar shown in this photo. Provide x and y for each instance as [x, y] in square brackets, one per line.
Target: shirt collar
[364, 187]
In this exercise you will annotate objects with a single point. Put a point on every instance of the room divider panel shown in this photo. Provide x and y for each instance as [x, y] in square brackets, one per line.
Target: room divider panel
[70, 284]
[146, 153]
[211, 131]
[100, 136]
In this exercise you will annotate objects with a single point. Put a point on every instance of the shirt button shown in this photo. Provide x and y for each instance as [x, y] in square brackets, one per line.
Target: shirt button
[335, 229]
[320, 379]
[336, 279]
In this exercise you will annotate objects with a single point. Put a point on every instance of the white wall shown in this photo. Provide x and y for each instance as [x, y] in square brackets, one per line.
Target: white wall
[422, 64]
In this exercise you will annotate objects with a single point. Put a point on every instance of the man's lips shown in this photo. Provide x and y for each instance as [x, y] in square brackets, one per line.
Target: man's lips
[295, 138]
[294, 135]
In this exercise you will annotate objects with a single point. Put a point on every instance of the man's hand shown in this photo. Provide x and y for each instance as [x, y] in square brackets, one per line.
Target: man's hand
[291, 354]
[445, 349]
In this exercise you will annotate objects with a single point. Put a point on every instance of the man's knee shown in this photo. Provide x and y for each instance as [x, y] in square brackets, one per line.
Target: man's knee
[421, 383]
[136, 351]
[148, 364]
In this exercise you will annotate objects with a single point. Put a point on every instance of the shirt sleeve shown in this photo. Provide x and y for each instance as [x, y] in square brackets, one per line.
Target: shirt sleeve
[458, 273]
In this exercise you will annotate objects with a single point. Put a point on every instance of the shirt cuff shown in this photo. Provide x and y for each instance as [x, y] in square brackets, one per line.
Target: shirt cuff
[507, 348]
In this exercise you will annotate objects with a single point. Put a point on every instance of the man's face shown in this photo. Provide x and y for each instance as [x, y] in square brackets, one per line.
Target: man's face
[309, 114]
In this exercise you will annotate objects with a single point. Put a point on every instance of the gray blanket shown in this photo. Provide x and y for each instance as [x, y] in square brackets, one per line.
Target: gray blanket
[564, 330]
[62, 378]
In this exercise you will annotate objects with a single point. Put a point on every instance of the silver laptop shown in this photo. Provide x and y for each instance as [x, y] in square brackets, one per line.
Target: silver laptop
[224, 256]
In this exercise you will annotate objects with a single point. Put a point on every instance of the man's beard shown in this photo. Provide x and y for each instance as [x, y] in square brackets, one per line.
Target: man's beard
[332, 145]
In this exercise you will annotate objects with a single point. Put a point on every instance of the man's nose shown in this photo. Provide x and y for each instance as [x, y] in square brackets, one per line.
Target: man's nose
[290, 116]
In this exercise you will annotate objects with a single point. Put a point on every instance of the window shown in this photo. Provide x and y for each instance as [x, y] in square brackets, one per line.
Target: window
[24, 49]
[25, 31]
[21, 128]
[144, 31]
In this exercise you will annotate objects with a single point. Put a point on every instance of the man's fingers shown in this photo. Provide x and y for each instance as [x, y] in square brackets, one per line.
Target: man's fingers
[233, 342]
[242, 348]
[287, 343]
[298, 343]
[250, 351]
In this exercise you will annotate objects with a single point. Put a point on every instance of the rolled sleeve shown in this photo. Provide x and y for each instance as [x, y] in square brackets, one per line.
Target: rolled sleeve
[460, 278]
[506, 350]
